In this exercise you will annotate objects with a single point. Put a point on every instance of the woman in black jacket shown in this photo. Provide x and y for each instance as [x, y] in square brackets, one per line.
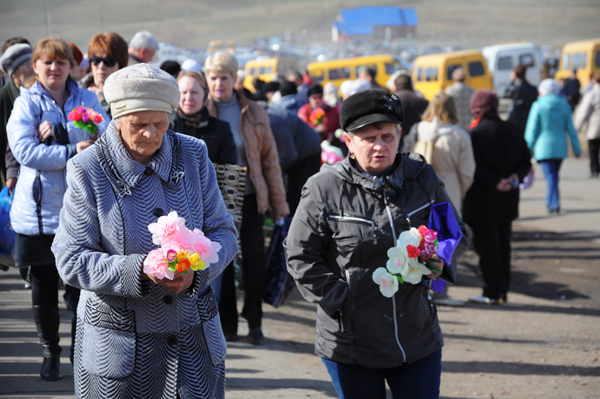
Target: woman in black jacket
[192, 118]
[492, 202]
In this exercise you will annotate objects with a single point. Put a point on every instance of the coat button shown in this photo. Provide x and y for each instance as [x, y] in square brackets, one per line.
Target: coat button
[168, 299]
[158, 212]
[401, 314]
[172, 341]
[148, 171]
[392, 193]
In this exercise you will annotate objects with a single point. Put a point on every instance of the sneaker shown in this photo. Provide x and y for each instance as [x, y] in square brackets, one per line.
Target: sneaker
[485, 300]
[255, 336]
[448, 301]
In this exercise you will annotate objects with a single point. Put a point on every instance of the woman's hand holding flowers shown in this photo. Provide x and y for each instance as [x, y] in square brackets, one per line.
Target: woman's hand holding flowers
[180, 282]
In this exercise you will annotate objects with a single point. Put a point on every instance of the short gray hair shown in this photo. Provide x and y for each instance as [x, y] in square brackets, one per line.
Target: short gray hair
[143, 39]
[221, 62]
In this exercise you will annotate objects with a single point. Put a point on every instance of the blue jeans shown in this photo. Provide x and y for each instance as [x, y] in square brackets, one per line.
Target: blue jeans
[551, 168]
[419, 380]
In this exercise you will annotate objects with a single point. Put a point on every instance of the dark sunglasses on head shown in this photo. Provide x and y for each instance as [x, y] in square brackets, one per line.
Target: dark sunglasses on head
[108, 61]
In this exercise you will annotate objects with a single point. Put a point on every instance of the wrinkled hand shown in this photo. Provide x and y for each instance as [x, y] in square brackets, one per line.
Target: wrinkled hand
[181, 281]
[44, 131]
[82, 145]
[321, 128]
[279, 216]
[11, 183]
[504, 185]
[431, 276]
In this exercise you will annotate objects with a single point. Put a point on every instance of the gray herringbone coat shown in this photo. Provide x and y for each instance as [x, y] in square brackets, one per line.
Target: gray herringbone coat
[136, 339]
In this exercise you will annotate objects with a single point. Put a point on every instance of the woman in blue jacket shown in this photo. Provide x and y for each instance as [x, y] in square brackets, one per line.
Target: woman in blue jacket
[549, 122]
[42, 140]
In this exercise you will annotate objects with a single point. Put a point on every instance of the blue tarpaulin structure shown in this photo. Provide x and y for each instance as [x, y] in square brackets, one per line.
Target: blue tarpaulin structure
[364, 21]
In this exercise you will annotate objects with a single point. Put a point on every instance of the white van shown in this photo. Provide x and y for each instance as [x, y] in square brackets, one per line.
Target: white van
[502, 59]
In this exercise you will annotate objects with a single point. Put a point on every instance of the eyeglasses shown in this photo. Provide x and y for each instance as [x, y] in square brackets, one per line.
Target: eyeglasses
[108, 61]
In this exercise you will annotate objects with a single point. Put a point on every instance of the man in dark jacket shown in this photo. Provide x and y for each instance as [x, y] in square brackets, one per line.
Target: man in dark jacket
[523, 95]
[492, 202]
[413, 105]
[299, 149]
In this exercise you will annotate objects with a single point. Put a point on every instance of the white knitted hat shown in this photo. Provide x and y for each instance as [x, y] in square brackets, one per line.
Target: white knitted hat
[141, 87]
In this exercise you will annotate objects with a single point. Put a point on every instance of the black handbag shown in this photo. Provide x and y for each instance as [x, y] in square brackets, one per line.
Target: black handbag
[33, 250]
[278, 282]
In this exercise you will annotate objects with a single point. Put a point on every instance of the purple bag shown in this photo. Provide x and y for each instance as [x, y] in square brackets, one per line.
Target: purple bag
[442, 220]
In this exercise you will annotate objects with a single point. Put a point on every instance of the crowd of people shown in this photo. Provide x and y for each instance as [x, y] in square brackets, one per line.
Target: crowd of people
[83, 201]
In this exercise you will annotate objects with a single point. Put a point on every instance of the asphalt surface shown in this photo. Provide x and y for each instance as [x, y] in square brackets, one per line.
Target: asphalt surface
[547, 347]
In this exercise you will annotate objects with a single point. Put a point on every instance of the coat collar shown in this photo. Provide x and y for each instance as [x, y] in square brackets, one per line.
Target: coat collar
[124, 173]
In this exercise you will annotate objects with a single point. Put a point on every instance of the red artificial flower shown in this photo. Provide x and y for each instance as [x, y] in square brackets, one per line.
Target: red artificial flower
[98, 118]
[75, 115]
[422, 230]
[413, 252]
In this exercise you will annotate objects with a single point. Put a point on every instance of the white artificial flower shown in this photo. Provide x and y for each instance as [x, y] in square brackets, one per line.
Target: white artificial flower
[397, 260]
[409, 237]
[388, 283]
[413, 271]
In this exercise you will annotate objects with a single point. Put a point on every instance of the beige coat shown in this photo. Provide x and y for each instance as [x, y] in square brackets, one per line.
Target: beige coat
[589, 111]
[261, 154]
[453, 158]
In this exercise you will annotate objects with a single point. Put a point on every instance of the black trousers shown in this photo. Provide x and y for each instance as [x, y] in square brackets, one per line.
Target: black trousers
[44, 285]
[594, 148]
[492, 243]
[253, 269]
[297, 177]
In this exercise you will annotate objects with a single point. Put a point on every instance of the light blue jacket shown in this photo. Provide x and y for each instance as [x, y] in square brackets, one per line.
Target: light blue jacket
[42, 172]
[549, 122]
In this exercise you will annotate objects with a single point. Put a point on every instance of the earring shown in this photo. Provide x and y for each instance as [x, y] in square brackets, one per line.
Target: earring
[352, 156]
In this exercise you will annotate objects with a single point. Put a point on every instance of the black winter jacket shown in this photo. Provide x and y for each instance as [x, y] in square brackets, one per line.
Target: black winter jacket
[340, 234]
[215, 132]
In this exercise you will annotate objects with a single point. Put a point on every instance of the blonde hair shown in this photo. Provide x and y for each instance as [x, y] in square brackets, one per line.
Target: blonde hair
[222, 62]
[442, 107]
[53, 48]
[199, 77]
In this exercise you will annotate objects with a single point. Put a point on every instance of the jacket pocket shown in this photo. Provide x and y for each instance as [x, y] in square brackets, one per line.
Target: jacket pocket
[109, 341]
[211, 327]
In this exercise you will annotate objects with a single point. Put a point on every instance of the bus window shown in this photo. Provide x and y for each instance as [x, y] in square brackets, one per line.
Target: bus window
[317, 75]
[428, 74]
[420, 72]
[583, 61]
[576, 60]
[251, 72]
[566, 62]
[597, 59]
[526, 60]
[391, 68]
[505, 63]
[269, 70]
[451, 69]
[476, 69]
[261, 70]
[339, 73]
[434, 75]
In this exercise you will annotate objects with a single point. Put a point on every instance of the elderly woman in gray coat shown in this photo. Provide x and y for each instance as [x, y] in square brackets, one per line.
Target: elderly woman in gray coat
[139, 336]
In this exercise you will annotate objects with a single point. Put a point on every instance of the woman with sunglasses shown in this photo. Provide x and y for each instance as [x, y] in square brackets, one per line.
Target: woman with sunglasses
[42, 140]
[107, 53]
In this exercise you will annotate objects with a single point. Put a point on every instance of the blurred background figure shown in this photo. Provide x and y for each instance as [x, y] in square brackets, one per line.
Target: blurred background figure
[549, 122]
[492, 202]
[461, 93]
[301, 87]
[523, 95]
[350, 87]
[259, 90]
[270, 89]
[43, 140]
[257, 150]
[369, 74]
[571, 90]
[589, 112]
[142, 48]
[107, 53]
[413, 105]
[289, 100]
[331, 97]
[9, 42]
[191, 117]
[79, 71]
[171, 67]
[330, 123]
[191, 65]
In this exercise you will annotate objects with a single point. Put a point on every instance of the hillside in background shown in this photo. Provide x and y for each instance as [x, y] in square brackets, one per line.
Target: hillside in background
[193, 24]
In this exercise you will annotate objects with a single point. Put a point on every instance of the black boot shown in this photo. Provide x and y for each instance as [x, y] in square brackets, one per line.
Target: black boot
[47, 321]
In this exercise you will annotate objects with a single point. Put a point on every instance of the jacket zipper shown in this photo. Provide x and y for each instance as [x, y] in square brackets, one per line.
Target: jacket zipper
[358, 220]
[389, 212]
[347, 273]
[420, 208]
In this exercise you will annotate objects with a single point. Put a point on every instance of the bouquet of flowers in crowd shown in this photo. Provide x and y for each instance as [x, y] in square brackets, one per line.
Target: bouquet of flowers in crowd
[86, 119]
[330, 154]
[317, 117]
[409, 260]
[180, 248]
